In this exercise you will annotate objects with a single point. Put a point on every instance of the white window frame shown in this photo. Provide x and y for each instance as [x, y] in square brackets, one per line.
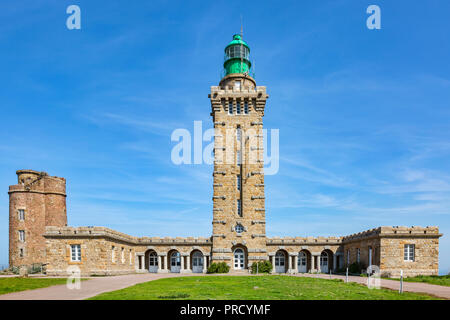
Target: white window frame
[409, 252]
[22, 235]
[21, 214]
[75, 252]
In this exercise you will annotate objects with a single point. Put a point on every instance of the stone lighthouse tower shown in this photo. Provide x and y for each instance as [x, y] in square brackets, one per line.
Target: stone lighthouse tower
[239, 230]
[36, 201]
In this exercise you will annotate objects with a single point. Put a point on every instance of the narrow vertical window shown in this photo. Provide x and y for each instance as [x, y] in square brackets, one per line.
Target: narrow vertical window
[113, 254]
[409, 252]
[238, 157]
[358, 255]
[245, 107]
[239, 208]
[348, 257]
[21, 214]
[75, 252]
[21, 252]
[230, 108]
[131, 258]
[123, 255]
[238, 182]
[237, 85]
[22, 235]
[238, 134]
[238, 107]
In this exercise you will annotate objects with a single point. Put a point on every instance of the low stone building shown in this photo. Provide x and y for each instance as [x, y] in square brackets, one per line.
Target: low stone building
[38, 231]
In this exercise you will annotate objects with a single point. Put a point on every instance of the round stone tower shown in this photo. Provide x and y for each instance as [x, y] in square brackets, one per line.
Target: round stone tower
[36, 201]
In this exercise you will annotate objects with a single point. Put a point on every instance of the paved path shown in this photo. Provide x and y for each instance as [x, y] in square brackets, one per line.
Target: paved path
[97, 285]
[417, 287]
[89, 288]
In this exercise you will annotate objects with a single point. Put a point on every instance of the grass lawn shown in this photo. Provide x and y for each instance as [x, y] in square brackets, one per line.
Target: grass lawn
[253, 287]
[439, 280]
[14, 284]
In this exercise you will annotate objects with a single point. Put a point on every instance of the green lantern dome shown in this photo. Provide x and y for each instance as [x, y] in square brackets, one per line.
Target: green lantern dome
[237, 56]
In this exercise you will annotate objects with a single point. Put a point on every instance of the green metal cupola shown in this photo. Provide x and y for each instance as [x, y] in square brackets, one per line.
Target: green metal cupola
[237, 56]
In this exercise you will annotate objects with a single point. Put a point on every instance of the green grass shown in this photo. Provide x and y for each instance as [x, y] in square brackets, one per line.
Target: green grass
[439, 280]
[253, 287]
[14, 284]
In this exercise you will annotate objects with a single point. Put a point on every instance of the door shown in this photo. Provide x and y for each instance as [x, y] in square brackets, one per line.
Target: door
[197, 262]
[302, 262]
[175, 262]
[153, 262]
[239, 259]
[280, 262]
[324, 262]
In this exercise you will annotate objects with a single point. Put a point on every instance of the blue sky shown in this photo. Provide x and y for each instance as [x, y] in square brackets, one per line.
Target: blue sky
[363, 114]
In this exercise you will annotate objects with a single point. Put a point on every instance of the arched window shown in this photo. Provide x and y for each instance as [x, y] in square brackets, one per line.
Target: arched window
[153, 259]
[175, 259]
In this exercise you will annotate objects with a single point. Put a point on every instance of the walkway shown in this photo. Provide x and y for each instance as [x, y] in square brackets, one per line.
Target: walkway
[89, 288]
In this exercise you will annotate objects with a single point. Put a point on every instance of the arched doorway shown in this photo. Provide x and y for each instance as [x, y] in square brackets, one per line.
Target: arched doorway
[175, 262]
[153, 262]
[302, 262]
[197, 262]
[239, 259]
[280, 262]
[324, 262]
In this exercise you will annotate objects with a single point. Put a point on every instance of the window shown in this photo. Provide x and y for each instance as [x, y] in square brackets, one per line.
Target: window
[245, 107]
[238, 157]
[239, 228]
[238, 182]
[358, 255]
[113, 254]
[21, 252]
[230, 108]
[409, 252]
[348, 257]
[153, 259]
[22, 235]
[239, 209]
[131, 258]
[238, 107]
[175, 259]
[237, 85]
[123, 255]
[21, 214]
[238, 133]
[75, 252]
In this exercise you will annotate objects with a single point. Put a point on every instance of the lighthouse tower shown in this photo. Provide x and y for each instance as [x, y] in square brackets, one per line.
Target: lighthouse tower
[239, 229]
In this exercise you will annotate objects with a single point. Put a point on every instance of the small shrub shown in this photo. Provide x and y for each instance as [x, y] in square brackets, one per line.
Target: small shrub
[356, 267]
[220, 267]
[262, 267]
